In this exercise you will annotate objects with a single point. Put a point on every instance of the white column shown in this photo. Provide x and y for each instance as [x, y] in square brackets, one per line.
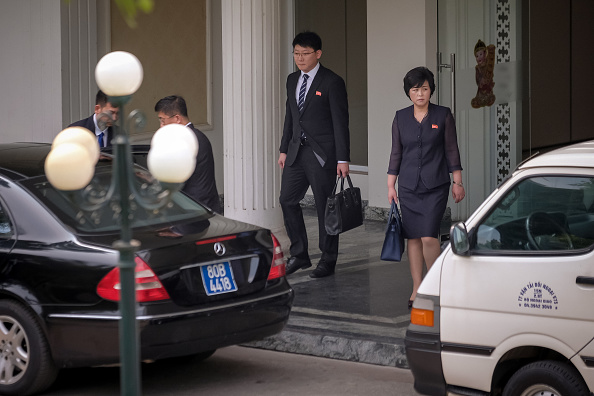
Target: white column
[252, 121]
[79, 58]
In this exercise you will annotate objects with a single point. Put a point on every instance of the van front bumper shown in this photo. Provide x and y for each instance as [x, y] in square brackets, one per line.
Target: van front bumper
[423, 351]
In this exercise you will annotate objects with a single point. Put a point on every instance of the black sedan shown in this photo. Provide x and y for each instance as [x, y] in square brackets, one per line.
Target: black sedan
[202, 281]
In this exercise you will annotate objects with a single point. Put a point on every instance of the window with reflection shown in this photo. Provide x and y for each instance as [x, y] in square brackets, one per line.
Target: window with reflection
[84, 210]
[553, 213]
[5, 225]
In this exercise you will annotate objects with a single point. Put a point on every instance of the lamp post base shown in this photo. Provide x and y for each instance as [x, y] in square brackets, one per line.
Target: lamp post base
[129, 345]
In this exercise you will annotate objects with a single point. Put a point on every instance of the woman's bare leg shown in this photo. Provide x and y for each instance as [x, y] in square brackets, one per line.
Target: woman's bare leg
[431, 250]
[415, 258]
[421, 250]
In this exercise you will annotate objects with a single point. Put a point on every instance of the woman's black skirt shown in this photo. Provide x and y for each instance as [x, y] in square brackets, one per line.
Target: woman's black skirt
[422, 210]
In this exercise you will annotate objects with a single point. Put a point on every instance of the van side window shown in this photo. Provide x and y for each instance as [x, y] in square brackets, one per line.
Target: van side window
[541, 213]
[5, 225]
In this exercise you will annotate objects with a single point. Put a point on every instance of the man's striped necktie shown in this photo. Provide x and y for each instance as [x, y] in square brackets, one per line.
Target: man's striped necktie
[302, 91]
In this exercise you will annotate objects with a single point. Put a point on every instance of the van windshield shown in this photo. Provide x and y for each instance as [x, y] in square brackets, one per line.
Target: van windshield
[542, 213]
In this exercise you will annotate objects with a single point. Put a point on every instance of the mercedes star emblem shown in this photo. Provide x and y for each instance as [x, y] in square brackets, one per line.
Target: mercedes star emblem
[219, 249]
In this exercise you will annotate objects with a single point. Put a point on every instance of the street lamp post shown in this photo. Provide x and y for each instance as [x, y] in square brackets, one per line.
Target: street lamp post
[129, 345]
[70, 166]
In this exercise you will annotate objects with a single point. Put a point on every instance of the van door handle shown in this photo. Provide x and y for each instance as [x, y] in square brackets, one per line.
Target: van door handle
[584, 280]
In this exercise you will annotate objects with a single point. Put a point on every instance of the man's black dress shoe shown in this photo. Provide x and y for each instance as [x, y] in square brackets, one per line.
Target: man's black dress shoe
[295, 263]
[323, 269]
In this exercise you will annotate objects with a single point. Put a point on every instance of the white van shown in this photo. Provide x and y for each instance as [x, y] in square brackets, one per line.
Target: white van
[508, 307]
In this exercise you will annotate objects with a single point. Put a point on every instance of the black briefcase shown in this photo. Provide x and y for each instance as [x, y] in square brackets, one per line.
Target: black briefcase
[344, 210]
[393, 247]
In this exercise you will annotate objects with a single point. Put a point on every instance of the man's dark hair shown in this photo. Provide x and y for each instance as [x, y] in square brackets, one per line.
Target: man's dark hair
[308, 40]
[416, 78]
[100, 98]
[172, 105]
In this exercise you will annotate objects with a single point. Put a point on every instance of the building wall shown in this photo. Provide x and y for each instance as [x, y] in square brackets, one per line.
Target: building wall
[40, 48]
[30, 70]
[397, 35]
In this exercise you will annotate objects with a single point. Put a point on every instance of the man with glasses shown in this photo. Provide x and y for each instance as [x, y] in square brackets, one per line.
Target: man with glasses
[101, 121]
[201, 185]
[314, 149]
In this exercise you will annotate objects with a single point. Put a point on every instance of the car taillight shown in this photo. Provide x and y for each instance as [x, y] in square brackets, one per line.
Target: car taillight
[148, 286]
[277, 269]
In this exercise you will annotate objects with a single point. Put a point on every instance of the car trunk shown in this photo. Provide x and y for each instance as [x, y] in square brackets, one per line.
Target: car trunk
[209, 260]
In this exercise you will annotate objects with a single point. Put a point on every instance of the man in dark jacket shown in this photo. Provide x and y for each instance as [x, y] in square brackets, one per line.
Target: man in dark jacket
[105, 112]
[201, 185]
[314, 149]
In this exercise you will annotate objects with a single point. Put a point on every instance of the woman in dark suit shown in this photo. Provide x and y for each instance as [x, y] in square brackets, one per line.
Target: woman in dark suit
[424, 153]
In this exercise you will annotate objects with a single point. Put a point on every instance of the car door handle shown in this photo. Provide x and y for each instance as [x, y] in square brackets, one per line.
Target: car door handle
[584, 280]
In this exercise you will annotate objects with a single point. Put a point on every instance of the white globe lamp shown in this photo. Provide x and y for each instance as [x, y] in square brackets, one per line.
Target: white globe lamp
[177, 134]
[68, 166]
[119, 73]
[81, 136]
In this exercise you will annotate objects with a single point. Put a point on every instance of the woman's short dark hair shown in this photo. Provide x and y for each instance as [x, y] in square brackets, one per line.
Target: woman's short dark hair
[416, 78]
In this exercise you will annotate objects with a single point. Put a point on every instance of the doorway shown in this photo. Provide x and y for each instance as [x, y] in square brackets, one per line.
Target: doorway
[342, 25]
[558, 37]
[479, 77]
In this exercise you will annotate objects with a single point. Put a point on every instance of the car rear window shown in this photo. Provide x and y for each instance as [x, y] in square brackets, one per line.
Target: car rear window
[88, 210]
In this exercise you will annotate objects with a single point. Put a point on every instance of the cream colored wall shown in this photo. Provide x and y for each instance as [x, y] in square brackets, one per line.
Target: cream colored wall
[214, 131]
[396, 42]
[171, 43]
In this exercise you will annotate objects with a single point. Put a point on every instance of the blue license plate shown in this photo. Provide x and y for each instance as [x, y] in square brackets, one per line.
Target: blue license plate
[218, 278]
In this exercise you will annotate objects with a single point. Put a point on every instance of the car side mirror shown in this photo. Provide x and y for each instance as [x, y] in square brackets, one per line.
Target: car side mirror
[459, 239]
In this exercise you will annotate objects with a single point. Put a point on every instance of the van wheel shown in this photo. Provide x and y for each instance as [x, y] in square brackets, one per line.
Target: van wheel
[26, 365]
[546, 378]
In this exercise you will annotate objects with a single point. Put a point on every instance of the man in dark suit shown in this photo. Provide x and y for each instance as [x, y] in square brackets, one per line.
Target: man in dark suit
[106, 113]
[201, 185]
[314, 149]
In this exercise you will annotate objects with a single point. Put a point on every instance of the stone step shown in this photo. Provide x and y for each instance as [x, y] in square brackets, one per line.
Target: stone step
[343, 336]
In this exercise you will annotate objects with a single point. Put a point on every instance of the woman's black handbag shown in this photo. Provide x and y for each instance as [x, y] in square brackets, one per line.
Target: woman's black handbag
[344, 210]
[394, 241]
